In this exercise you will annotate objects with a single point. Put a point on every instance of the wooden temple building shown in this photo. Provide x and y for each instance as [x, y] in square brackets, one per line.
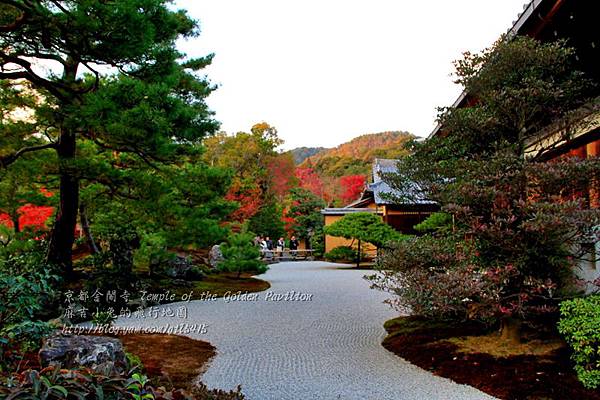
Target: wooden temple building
[401, 216]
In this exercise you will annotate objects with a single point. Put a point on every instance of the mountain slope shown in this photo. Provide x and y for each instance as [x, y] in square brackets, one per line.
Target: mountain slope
[302, 153]
[356, 156]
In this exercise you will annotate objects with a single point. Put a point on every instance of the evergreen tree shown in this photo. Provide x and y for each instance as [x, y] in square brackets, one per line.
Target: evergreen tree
[117, 88]
[363, 227]
[240, 254]
[305, 212]
[268, 221]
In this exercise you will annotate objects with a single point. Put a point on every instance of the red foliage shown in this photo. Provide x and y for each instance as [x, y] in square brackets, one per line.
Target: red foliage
[288, 221]
[352, 187]
[30, 215]
[310, 180]
[281, 171]
[249, 200]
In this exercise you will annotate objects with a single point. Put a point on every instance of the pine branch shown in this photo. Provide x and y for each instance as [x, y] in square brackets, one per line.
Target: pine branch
[11, 158]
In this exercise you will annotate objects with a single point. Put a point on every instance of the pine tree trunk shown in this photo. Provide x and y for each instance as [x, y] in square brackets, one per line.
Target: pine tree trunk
[15, 221]
[510, 330]
[62, 237]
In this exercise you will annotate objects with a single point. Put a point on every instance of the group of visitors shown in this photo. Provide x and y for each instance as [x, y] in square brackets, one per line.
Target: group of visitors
[268, 247]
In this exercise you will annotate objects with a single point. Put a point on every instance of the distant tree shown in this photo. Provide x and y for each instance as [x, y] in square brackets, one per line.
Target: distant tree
[304, 213]
[268, 221]
[363, 227]
[240, 254]
[248, 199]
[251, 158]
[310, 180]
[248, 155]
[20, 194]
[352, 187]
[282, 173]
[21, 182]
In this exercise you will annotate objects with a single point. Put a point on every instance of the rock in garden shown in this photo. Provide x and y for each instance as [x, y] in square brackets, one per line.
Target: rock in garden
[215, 256]
[179, 267]
[98, 353]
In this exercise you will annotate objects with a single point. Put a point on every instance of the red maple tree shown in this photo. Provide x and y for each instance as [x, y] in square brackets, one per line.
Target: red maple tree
[310, 180]
[352, 187]
[249, 199]
[282, 174]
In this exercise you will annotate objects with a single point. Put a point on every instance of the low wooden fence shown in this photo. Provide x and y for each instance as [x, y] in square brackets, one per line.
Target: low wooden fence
[286, 255]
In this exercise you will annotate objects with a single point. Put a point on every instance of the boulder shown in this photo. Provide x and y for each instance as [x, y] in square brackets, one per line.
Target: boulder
[179, 267]
[215, 256]
[98, 353]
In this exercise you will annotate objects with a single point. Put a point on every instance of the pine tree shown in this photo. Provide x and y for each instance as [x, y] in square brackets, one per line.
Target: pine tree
[240, 254]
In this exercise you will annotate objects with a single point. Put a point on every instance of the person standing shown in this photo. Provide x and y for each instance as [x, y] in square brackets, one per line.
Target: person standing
[263, 247]
[294, 246]
[280, 246]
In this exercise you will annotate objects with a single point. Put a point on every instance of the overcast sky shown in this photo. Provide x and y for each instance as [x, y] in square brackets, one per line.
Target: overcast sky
[325, 71]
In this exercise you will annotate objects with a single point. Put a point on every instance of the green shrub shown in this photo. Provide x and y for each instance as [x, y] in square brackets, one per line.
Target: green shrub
[434, 222]
[27, 291]
[55, 383]
[342, 253]
[241, 255]
[134, 362]
[580, 326]
[102, 318]
[317, 243]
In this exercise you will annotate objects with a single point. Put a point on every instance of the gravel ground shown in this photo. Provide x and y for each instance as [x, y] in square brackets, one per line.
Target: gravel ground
[323, 345]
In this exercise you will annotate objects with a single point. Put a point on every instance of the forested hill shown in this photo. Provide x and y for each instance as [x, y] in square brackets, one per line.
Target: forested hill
[356, 156]
[302, 153]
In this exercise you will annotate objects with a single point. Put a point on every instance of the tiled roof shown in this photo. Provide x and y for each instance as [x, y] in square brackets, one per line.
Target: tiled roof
[380, 188]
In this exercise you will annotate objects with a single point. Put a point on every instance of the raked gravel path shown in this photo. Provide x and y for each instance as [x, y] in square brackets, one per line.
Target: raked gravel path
[326, 348]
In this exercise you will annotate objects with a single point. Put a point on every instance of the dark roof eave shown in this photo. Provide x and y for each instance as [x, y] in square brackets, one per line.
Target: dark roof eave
[344, 211]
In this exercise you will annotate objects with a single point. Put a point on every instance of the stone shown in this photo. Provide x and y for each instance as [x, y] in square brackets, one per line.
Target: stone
[215, 256]
[99, 353]
[179, 267]
[182, 283]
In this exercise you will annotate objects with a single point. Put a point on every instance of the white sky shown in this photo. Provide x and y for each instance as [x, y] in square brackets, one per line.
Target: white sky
[325, 71]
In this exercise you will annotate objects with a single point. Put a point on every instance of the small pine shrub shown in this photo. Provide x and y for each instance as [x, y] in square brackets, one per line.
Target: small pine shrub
[342, 253]
[240, 254]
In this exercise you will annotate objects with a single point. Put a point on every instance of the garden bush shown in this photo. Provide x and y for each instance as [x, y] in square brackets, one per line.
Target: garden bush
[434, 222]
[342, 253]
[241, 255]
[27, 293]
[580, 326]
[317, 243]
[56, 383]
